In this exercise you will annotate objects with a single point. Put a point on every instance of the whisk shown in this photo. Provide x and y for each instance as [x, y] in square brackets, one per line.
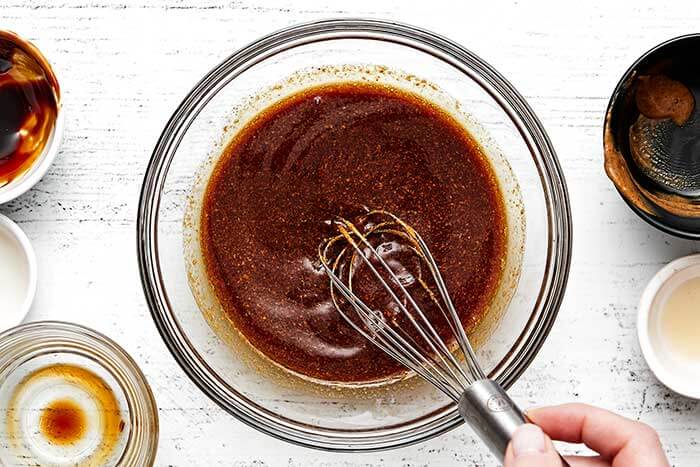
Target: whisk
[407, 326]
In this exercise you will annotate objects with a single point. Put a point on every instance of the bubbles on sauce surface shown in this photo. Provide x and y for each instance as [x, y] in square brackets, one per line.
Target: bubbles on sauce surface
[333, 150]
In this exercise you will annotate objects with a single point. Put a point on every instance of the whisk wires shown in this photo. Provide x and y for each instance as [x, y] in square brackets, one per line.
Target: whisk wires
[411, 338]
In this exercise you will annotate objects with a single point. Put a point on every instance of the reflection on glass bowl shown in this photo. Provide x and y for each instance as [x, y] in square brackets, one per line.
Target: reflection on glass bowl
[231, 373]
[510, 263]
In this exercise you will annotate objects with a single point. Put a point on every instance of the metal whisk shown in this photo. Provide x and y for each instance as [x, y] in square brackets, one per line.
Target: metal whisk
[406, 325]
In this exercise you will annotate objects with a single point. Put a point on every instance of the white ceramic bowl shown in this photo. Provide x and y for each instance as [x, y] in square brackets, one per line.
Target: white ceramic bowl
[15, 235]
[676, 373]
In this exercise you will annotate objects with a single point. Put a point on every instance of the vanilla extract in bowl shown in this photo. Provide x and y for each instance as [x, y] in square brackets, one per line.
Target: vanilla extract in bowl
[70, 396]
[65, 414]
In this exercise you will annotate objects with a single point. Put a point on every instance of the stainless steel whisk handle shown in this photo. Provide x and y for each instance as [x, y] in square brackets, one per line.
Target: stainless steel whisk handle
[491, 412]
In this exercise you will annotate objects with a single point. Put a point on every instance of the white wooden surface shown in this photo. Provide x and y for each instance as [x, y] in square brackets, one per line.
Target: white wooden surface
[126, 64]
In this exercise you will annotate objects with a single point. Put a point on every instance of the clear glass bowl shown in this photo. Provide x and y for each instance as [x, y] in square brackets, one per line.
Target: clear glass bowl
[96, 366]
[232, 375]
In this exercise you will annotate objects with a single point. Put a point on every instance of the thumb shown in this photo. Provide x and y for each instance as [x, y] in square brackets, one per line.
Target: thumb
[530, 447]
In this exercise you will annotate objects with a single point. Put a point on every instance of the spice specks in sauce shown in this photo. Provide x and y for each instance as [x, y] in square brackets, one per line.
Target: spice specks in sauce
[329, 151]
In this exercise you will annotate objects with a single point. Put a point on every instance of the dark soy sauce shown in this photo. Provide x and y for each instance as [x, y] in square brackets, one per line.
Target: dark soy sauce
[29, 103]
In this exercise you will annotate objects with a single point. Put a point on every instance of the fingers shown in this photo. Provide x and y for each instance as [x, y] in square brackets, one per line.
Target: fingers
[530, 447]
[599, 429]
[586, 461]
[629, 442]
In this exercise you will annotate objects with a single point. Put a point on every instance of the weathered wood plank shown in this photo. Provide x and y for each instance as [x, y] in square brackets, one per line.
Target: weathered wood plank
[125, 65]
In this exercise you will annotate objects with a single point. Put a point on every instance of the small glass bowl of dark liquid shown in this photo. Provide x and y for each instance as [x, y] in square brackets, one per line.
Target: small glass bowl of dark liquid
[31, 120]
[70, 396]
[652, 137]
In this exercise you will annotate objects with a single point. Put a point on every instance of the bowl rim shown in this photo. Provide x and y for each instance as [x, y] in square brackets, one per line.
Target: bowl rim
[532, 132]
[658, 224]
[647, 301]
[16, 232]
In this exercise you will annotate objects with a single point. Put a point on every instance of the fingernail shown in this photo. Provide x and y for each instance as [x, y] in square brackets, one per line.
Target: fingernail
[528, 439]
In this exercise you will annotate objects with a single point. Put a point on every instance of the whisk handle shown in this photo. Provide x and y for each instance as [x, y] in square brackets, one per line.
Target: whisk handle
[491, 412]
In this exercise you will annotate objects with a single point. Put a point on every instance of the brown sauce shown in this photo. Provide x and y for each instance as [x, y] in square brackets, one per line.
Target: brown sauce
[28, 106]
[335, 150]
[63, 422]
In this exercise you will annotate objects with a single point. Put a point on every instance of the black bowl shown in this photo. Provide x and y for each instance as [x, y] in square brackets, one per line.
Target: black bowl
[677, 59]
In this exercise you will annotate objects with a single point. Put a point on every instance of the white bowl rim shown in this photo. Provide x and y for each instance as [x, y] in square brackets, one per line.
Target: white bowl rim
[26, 181]
[676, 382]
[11, 227]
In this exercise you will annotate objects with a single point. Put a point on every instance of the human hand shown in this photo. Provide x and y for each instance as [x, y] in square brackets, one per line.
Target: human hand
[619, 442]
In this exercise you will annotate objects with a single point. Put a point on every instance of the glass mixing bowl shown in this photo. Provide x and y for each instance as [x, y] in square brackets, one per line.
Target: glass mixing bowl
[235, 377]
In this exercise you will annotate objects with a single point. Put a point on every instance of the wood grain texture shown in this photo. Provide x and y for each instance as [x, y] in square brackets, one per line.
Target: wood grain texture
[124, 66]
